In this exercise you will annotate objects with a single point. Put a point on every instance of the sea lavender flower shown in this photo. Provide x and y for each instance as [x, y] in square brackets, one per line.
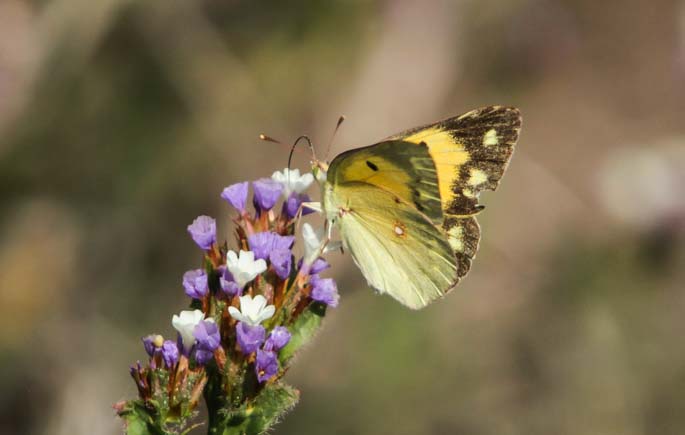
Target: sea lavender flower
[266, 365]
[203, 231]
[195, 283]
[253, 311]
[170, 353]
[262, 244]
[245, 343]
[249, 337]
[266, 193]
[208, 340]
[318, 266]
[312, 241]
[324, 290]
[236, 195]
[278, 338]
[229, 287]
[243, 267]
[152, 343]
[292, 181]
[185, 323]
[292, 204]
[281, 261]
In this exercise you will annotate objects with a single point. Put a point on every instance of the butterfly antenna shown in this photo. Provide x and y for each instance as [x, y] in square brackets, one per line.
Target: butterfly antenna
[292, 150]
[330, 142]
[266, 138]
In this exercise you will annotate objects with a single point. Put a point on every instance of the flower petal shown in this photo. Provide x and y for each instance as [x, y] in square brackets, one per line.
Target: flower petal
[236, 314]
[267, 313]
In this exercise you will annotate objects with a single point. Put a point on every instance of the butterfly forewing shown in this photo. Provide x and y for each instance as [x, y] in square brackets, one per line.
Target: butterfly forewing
[471, 153]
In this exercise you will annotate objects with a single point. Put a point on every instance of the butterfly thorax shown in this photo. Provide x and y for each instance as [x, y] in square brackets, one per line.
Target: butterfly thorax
[328, 198]
[332, 205]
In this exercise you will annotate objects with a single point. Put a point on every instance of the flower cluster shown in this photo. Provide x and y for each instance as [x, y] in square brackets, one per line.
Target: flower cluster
[251, 307]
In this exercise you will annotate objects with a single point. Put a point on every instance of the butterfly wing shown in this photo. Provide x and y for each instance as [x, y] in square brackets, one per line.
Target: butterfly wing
[440, 169]
[397, 248]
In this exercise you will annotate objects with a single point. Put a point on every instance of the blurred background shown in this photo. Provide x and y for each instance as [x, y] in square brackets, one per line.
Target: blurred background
[122, 120]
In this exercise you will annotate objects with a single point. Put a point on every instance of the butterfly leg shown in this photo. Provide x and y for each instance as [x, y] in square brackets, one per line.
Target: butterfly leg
[316, 206]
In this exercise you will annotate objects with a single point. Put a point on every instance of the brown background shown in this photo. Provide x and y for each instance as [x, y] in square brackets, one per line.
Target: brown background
[122, 120]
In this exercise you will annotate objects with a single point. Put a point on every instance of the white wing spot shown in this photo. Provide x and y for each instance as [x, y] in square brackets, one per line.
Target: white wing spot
[400, 230]
[469, 114]
[490, 138]
[456, 234]
[477, 177]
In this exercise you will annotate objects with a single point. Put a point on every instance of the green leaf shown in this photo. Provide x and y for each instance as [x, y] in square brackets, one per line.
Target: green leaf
[302, 331]
[139, 421]
[257, 416]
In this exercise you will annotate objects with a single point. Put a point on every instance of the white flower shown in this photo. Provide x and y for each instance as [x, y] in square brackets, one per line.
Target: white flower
[293, 181]
[313, 240]
[252, 311]
[185, 324]
[244, 268]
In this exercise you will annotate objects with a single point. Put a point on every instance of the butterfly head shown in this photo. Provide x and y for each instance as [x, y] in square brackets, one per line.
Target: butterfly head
[319, 169]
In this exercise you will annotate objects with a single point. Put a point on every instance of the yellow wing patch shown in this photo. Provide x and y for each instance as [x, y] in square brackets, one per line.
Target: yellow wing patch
[381, 172]
[447, 155]
[470, 152]
[404, 169]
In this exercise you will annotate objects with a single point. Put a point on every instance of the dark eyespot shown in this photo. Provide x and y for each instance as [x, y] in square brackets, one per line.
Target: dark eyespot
[371, 165]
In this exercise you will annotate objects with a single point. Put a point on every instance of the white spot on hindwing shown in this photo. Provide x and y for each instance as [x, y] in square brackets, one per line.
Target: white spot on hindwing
[456, 234]
[477, 177]
[490, 138]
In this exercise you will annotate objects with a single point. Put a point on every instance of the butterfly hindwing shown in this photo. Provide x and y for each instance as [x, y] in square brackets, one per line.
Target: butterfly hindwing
[463, 235]
[397, 248]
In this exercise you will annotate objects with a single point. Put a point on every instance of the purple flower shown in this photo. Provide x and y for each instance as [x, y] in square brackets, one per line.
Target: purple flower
[153, 346]
[281, 260]
[249, 337]
[266, 365]
[318, 266]
[236, 195]
[195, 283]
[262, 244]
[324, 290]
[208, 340]
[170, 353]
[266, 193]
[202, 356]
[149, 344]
[207, 335]
[231, 288]
[278, 338]
[293, 203]
[203, 231]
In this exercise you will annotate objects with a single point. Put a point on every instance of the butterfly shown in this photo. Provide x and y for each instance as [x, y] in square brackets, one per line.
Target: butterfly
[406, 207]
